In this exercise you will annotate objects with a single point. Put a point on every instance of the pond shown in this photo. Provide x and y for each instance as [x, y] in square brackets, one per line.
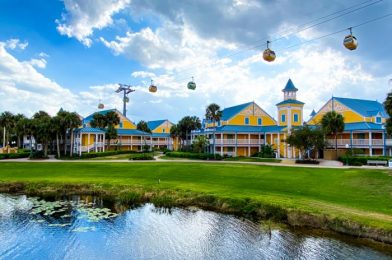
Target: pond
[88, 228]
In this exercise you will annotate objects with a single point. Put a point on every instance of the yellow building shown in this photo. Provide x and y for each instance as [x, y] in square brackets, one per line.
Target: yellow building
[244, 128]
[160, 134]
[364, 126]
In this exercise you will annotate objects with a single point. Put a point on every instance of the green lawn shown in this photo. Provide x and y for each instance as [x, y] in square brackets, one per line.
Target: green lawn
[118, 156]
[357, 194]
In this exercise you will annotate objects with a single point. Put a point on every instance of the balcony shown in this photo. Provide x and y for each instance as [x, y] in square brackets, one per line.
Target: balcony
[355, 142]
[232, 142]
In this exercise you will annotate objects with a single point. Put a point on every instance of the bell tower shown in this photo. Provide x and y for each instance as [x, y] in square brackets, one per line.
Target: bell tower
[290, 110]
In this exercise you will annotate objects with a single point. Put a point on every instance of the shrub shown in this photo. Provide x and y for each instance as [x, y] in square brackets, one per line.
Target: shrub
[142, 156]
[307, 161]
[361, 160]
[38, 155]
[198, 156]
[19, 155]
[266, 151]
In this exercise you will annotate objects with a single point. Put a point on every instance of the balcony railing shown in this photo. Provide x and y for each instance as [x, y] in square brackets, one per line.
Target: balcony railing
[239, 141]
[355, 142]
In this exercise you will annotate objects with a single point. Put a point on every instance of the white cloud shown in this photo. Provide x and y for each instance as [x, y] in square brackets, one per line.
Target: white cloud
[15, 44]
[82, 17]
[39, 63]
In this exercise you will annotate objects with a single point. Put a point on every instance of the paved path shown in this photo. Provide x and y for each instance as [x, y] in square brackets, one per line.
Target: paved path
[284, 163]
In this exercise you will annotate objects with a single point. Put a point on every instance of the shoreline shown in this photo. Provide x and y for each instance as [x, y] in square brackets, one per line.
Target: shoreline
[250, 209]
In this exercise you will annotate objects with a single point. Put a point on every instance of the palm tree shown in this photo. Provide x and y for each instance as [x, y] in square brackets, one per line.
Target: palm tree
[73, 121]
[142, 126]
[388, 108]
[7, 121]
[214, 114]
[43, 128]
[332, 124]
[57, 130]
[106, 122]
[20, 125]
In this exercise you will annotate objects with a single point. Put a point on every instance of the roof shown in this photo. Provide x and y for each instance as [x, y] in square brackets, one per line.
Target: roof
[102, 112]
[229, 112]
[290, 101]
[290, 86]
[248, 128]
[89, 130]
[131, 132]
[313, 113]
[154, 124]
[367, 108]
[160, 135]
[363, 126]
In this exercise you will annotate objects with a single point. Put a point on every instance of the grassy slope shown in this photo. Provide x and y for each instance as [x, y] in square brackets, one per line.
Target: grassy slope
[361, 195]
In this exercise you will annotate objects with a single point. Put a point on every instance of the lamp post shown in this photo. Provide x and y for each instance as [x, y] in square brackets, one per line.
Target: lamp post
[347, 147]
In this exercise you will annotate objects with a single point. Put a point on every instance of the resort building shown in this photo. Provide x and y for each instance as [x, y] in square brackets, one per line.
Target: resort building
[243, 129]
[364, 128]
[160, 134]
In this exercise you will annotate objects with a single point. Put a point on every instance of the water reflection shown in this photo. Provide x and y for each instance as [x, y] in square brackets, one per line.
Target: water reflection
[150, 233]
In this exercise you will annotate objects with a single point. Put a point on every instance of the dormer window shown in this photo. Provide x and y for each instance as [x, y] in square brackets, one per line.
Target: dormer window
[378, 119]
[246, 120]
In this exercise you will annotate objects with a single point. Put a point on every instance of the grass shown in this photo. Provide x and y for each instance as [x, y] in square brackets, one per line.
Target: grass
[362, 196]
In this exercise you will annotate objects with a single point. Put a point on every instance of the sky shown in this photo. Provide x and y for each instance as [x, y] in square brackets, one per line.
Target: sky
[72, 54]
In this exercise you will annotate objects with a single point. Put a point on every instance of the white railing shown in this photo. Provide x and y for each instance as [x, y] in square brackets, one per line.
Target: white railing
[356, 142]
[388, 142]
[239, 141]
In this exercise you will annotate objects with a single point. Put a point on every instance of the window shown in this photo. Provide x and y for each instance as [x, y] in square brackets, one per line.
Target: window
[219, 123]
[378, 120]
[121, 124]
[283, 118]
[246, 120]
[295, 117]
[259, 121]
[163, 130]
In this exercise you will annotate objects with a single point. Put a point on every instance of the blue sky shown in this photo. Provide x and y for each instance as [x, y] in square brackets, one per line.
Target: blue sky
[72, 53]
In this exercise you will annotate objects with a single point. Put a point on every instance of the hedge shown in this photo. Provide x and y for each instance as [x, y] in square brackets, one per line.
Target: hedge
[4, 156]
[361, 160]
[198, 156]
[307, 161]
[142, 157]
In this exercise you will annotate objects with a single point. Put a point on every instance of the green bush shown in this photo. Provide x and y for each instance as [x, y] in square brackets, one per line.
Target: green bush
[307, 161]
[266, 151]
[142, 157]
[198, 156]
[18, 155]
[361, 160]
[38, 155]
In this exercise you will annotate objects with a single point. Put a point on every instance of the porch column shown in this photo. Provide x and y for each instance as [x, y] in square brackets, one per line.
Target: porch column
[80, 144]
[284, 146]
[383, 143]
[259, 142]
[88, 143]
[103, 143]
[249, 145]
[235, 139]
[221, 151]
[278, 145]
[370, 144]
[152, 145]
[351, 142]
[131, 143]
[271, 138]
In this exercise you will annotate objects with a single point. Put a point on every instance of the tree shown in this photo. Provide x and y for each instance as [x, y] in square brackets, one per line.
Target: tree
[200, 143]
[142, 126]
[388, 109]
[332, 123]
[20, 128]
[214, 114]
[72, 121]
[43, 128]
[7, 122]
[57, 129]
[306, 139]
[186, 125]
[107, 123]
